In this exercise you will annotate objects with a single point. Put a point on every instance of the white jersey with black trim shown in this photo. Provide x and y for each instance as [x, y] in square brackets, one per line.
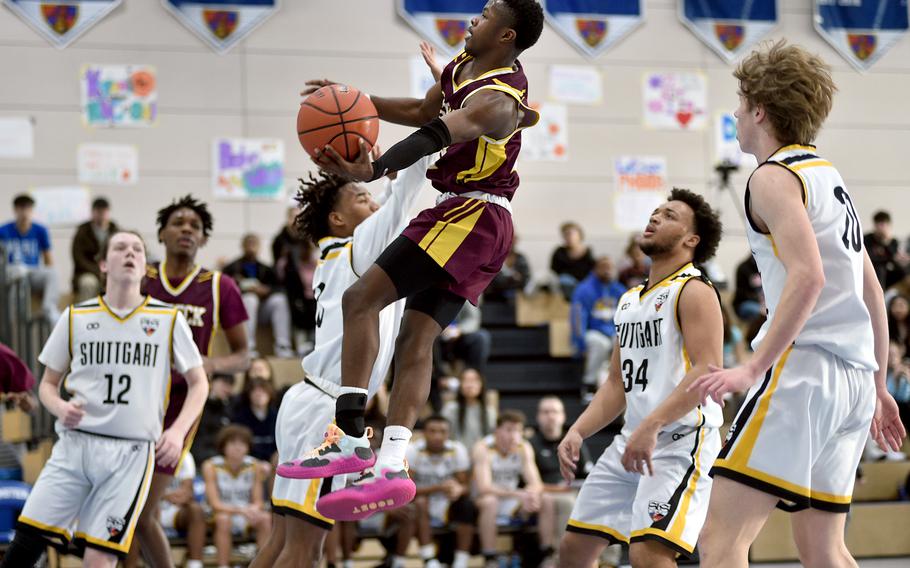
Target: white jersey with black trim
[506, 469]
[235, 489]
[839, 322]
[652, 354]
[342, 261]
[119, 366]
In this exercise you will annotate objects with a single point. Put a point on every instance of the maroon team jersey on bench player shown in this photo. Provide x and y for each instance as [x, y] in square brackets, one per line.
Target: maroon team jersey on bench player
[208, 300]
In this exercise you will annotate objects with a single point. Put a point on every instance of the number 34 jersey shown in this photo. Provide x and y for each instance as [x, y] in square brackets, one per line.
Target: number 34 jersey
[119, 364]
[652, 354]
[839, 322]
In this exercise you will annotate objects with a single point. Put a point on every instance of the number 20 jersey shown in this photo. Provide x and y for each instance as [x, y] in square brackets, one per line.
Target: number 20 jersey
[839, 322]
[652, 355]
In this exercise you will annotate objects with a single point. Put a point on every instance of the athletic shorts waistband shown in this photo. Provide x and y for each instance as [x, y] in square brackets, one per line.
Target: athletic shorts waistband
[482, 196]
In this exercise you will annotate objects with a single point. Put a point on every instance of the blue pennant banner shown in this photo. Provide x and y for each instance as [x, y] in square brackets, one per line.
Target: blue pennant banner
[443, 23]
[221, 23]
[61, 22]
[862, 31]
[593, 26]
[729, 27]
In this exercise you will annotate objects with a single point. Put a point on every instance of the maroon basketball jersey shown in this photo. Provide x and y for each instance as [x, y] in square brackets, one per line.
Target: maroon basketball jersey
[484, 164]
[208, 299]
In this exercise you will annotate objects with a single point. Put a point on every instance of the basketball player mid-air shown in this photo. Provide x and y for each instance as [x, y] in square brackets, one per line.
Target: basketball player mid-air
[448, 254]
[822, 355]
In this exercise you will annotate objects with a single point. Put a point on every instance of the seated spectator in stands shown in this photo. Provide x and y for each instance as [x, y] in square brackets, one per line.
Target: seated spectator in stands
[263, 299]
[181, 512]
[573, 260]
[87, 246]
[898, 380]
[464, 340]
[593, 306]
[469, 414]
[28, 249]
[884, 251]
[551, 422]
[899, 321]
[441, 469]
[16, 380]
[295, 263]
[635, 265]
[216, 414]
[513, 277]
[735, 352]
[234, 492]
[503, 462]
[748, 297]
[256, 409]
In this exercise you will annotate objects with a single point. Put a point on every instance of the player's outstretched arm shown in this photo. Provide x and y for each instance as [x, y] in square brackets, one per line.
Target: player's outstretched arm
[702, 327]
[405, 111]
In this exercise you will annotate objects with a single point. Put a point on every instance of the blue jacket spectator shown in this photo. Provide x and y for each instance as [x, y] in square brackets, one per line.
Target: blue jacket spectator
[28, 252]
[593, 306]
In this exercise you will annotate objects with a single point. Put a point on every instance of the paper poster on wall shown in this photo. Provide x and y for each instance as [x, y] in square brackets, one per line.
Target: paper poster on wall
[62, 205]
[61, 22]
[593, 26]
[221, 23]
[549, 139]
[675, 101]
[17, 137]
[421, 76]
[576, 84]
[729, 27]
[726, 146]
[862, 32]
[119, 95]
[110, 164]
[248, 168]
[639, 186]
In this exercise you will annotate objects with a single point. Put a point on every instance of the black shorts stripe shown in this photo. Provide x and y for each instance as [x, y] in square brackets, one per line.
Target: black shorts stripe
[591, 532]
[800, 502]
[56, 540]
[664, 541]
[288, 512]
[663, 523]
[744, 414]
[127, 518]
[80, 544]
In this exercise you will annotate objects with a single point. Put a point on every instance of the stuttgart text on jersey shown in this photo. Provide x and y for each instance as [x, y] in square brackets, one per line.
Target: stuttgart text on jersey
[136, 353]
[640, 334]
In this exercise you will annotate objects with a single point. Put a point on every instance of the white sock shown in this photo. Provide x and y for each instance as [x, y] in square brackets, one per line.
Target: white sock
[194, 564]
[427, 552]
[394, 446]
[352, 390]
[347, 564]
[461, 559]
[398, 561]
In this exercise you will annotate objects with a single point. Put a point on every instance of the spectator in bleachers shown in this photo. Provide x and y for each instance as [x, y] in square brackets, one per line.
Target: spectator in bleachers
[181, 512]
[635, 265]
[86, 246]
[256, 409]
[899, 320]
[513, 277]
[898, 380]
[28, 249]
[464, 340]
[884, 251]
[295, 263]
[735, 352]
[502, 463]
[748, 297]
[469, 414]
[263, 299]
[216, 415]
[441, 469]
[573, 260]
[234, 492]
[551, 421]
[593, 306]
[16, 380]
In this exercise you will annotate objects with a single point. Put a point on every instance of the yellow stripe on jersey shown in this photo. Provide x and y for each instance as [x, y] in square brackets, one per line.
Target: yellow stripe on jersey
[742, 451]
[770, 238]
[216, 317]
[813, 163]
[489, 157]
[795, 170]
[162, 273]
[454, 211]
[336, 253]
[664, 535]
[445, 237]
[665, 281]
[808, 147]
[599, 528]
[679, 523]
[49, 528]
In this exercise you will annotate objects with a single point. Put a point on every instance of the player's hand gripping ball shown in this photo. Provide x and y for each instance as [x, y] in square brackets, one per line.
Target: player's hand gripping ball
[340, 116]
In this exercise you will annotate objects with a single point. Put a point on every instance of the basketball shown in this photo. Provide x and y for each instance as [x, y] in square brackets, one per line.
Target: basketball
[338, 115]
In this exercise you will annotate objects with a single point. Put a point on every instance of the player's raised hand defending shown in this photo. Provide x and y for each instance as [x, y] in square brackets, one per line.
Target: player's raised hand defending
[168, 448]
[314, 85]
[721, 381]
[331, 161]
[71, 413]
[887, 429]
[569, 452]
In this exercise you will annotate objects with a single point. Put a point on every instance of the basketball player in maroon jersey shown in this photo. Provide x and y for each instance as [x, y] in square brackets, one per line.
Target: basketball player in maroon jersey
[209, 300]
[448, 254]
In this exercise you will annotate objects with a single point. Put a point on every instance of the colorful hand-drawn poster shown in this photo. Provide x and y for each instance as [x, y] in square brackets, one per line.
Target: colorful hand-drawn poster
[248, 168]
[548, 140]
[118, 96]
[639, 186]
[108, 164]
[675, 101]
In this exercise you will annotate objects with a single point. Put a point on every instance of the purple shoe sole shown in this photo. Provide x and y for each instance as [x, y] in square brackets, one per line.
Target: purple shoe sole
[360, 501]
[295, 469]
